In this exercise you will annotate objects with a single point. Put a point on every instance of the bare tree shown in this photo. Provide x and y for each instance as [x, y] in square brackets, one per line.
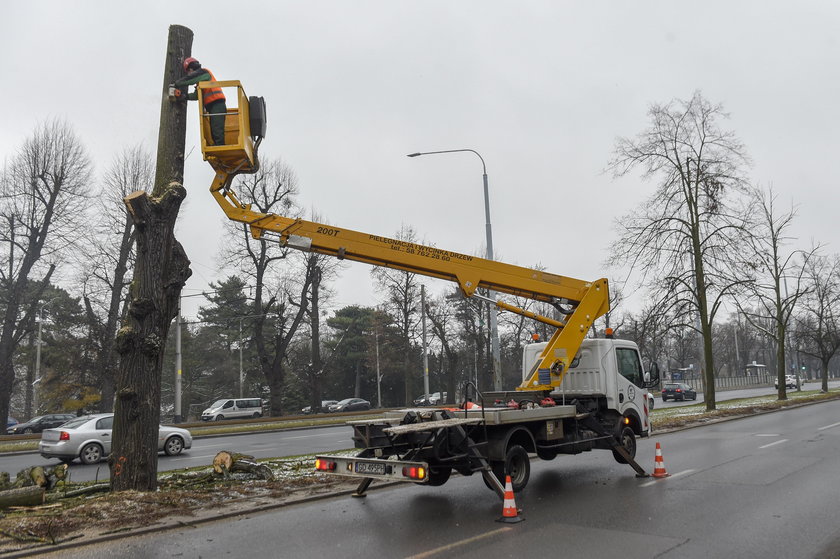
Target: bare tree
[819, 324]
[442, 317]
[401, 292]
[324, 269]
[107, 258]
[681, 239]
[41, 202]
[281, 299]
[773, 265]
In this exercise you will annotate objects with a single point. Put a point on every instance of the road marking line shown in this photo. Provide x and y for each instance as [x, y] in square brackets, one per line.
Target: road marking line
[828, 426]
[460, 543]
[767, 435]
[310, 436]
[774, 444]
[682, 473]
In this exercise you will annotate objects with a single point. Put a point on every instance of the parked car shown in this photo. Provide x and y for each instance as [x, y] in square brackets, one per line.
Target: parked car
[678, 391]
[10, 421]
[422, 400]
[325, 406]
[88, 438]
[350, 404]
[233, 408]
[38, 424]
[438, 398]
[433, 399]
[790, 382]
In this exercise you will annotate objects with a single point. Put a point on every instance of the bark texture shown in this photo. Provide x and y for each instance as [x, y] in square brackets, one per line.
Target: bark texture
[160, 272]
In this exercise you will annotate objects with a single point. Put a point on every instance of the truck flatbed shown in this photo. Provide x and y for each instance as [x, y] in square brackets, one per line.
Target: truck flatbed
[494, 416]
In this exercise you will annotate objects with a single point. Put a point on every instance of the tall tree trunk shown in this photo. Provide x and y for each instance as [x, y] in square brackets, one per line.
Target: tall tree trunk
[160, 272]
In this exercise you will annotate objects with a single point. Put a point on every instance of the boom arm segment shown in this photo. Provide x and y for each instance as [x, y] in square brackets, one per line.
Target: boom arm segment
[587, 300]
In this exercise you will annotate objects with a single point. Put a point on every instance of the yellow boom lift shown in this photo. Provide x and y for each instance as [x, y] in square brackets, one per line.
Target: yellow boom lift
[582, 302]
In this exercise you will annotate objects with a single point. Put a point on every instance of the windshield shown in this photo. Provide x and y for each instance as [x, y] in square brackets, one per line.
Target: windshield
[347, 401]
[218, 403]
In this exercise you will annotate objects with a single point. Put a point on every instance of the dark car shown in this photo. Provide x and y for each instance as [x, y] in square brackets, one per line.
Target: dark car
[678, 391]
[350, 404]
[325, 407]
[38, 424]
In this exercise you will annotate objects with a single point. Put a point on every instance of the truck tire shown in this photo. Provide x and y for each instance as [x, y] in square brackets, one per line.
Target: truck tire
[627, 439]
[546, 453]
[517, 464]
[438, 475]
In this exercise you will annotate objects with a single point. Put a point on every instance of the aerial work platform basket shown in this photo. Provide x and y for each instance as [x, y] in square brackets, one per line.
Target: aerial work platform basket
[245, 123]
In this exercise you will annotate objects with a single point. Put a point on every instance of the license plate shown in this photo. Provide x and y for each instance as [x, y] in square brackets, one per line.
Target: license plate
[370, 468]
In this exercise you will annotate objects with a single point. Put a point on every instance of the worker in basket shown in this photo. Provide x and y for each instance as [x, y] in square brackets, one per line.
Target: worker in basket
[214, 99]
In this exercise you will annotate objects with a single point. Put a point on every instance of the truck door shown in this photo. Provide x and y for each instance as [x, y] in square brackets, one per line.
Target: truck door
[632, 392]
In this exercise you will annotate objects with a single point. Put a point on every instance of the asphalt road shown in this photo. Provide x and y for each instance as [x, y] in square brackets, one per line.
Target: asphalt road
[260, 445]
[758, 487]
[723, 395]
[280, 443]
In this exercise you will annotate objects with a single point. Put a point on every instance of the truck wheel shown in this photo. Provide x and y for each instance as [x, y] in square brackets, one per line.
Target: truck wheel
[546, 453]
[628, 441]
[517, 465]
[439, 475]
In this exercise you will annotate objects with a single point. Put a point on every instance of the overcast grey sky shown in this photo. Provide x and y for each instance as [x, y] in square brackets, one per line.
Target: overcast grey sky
[540, 88]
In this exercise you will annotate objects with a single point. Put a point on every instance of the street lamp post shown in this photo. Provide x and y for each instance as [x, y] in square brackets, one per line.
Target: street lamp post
[37, 380]
[177, 419]
[494, 327]
[37, 365]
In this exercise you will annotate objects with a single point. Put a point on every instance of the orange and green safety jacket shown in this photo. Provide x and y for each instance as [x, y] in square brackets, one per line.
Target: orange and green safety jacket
[211, 95]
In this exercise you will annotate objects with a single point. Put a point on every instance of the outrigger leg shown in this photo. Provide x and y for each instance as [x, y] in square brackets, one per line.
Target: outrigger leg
[362, 488]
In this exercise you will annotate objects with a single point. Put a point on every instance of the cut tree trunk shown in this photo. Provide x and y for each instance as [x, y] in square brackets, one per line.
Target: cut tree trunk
[160, 271]
[226, 463]
[22, 496]
[40, 476]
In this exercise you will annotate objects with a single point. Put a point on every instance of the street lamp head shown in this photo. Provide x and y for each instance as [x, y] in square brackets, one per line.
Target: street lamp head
[414, 154]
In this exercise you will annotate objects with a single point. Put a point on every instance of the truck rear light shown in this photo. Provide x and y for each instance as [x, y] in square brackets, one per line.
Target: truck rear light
[324, 465]
[414, 472]
[64, 436]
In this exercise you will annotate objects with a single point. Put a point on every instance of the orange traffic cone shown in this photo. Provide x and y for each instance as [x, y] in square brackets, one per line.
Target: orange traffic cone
[659, 464]
[510, 514]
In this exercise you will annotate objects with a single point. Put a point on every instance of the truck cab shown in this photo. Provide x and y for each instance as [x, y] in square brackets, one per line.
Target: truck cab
[606, 374]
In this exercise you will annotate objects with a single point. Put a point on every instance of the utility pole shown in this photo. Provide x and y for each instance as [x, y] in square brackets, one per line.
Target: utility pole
[378, 374]
[177, 418]
[425, 348]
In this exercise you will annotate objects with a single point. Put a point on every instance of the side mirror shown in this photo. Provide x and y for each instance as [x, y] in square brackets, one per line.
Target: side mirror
[652, 376]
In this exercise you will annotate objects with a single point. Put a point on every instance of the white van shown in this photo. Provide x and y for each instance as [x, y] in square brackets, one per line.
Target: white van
[233, 408]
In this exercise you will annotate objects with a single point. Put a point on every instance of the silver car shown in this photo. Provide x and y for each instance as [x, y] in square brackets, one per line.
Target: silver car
[88, 438]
